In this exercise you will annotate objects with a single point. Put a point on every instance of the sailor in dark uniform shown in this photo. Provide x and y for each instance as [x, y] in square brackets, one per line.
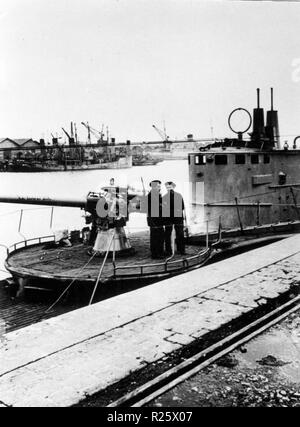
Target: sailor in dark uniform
[154, 220]
[173, 217]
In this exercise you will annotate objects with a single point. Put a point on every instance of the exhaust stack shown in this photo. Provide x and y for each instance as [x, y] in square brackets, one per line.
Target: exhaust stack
[258, 120]
[272, 126]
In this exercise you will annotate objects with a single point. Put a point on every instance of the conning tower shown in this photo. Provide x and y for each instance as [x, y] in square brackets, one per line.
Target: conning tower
[247, 183]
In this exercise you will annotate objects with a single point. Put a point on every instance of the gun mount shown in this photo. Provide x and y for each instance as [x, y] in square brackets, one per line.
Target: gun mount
[107, 212]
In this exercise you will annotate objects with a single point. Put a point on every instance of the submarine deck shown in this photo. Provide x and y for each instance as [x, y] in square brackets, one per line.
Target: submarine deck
[43, 260]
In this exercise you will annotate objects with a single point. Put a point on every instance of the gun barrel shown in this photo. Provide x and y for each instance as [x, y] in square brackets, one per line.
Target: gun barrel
[46, 201]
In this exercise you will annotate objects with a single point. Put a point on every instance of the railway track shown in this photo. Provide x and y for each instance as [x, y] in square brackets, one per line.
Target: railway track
[149, 391]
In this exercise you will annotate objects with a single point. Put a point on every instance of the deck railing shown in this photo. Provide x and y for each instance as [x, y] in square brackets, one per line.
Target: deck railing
[170, 265]
[166, 266]
[29, 242]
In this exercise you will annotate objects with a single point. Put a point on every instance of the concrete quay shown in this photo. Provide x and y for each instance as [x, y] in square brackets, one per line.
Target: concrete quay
[61, 361]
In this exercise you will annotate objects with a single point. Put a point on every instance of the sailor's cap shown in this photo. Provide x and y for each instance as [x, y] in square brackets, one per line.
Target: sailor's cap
[155, 181]
[170, 183]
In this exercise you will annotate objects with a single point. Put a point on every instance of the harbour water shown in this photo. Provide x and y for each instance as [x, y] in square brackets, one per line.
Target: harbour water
[35, 221]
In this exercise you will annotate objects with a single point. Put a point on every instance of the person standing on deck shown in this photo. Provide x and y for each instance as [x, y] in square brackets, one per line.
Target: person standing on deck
[173, 217]
[154, 220]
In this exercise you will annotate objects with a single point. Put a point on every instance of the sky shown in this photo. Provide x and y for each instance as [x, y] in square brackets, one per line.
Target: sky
[129, 64]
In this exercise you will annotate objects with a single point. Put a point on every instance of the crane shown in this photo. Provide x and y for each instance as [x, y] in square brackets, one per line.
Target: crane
[98, 134]
[87, 126]
[73, 137]
[75, 133]
[162, 134]
[57, 137]
[68, 136]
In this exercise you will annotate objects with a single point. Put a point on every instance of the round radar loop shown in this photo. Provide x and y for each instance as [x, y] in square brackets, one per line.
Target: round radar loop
[246, 115]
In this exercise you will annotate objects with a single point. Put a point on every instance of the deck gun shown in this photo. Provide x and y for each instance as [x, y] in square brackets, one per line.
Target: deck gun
[107, 210]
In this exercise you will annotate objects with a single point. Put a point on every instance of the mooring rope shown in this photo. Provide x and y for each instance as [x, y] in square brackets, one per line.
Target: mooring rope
[101, 269]
[68, 287]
